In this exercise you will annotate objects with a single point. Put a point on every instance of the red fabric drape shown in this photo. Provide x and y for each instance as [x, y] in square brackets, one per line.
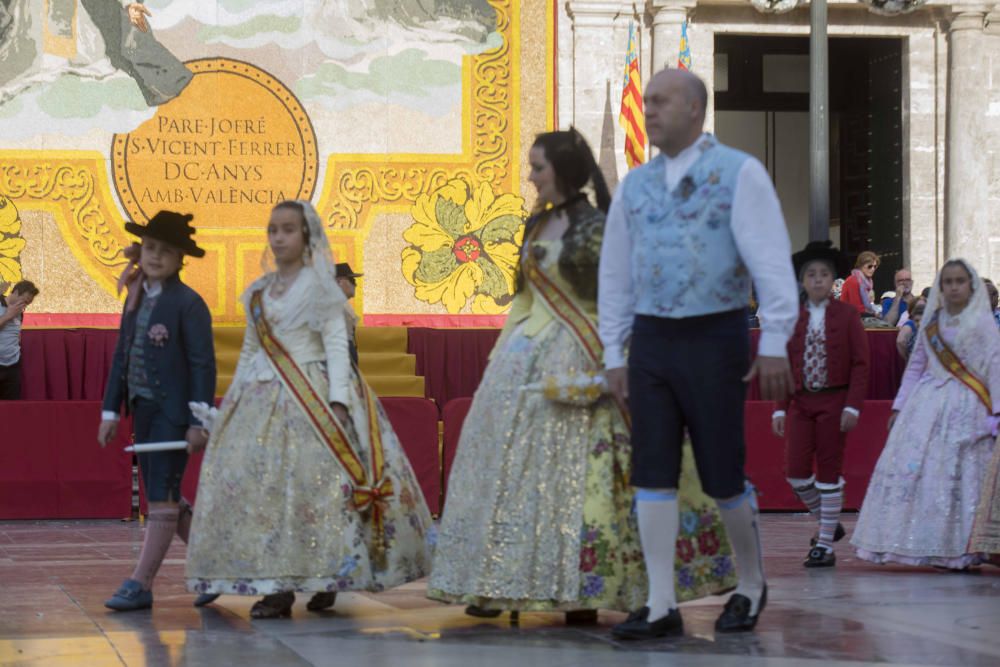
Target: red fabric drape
[73, 364]
[452, 361]
[453, 417]
[415, 421]
[66, 364]
[51, 466]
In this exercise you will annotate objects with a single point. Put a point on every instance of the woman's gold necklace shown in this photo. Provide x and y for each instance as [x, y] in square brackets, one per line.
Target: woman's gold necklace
[281, 286]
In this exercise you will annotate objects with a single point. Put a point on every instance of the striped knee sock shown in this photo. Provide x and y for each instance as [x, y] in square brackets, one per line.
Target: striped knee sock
[807, 492]
[831, 502]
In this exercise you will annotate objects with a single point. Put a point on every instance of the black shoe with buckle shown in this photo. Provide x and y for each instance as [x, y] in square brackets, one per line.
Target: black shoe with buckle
[638, 626]
[820, 557]
[736, 615]
[838, 535]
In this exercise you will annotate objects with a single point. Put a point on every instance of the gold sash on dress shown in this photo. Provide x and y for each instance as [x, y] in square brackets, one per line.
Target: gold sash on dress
[566, 310]
[954, 365]
[365, 494]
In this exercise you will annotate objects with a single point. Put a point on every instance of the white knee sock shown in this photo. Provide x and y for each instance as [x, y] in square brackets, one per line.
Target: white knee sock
[740, 516]
[659, 523]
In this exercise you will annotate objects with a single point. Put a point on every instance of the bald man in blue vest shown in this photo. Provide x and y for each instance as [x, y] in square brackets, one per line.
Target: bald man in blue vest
[685, 236]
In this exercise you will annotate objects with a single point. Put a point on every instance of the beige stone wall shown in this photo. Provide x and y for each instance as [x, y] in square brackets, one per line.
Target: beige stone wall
[951, 100]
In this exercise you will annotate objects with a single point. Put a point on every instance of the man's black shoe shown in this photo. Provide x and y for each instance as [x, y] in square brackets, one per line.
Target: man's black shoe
[736, 616]
[637, 626]
[820, 557]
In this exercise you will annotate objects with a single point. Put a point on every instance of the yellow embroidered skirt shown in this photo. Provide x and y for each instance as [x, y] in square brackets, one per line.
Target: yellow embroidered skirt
[274, 510]
[539, 508]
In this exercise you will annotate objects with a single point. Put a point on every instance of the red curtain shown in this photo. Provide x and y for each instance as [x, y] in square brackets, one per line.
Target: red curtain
[66, 364]
[51, 466]
[415, 421]
[73, 364]
[453, 417]
[452, 361]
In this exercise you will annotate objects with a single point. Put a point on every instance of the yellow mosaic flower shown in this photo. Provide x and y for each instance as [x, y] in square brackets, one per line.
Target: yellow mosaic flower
[11, 244]
[464, 244]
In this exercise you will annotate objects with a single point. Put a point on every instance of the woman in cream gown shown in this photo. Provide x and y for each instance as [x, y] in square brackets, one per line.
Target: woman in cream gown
[278, 511]
[539, 509]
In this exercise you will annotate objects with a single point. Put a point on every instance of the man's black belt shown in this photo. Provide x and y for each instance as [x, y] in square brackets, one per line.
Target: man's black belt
[825, 390]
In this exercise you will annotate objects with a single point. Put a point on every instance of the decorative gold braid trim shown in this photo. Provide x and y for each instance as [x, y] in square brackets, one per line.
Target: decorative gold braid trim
[66, 182]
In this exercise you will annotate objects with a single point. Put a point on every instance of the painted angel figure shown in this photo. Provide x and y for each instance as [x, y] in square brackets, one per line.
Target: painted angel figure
[90, 39]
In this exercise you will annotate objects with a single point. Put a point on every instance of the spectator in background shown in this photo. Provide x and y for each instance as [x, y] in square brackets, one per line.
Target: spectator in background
[857, 289]
[893, 309]
[11, 316]
[348, 281]
[994, 294]
[908, 331]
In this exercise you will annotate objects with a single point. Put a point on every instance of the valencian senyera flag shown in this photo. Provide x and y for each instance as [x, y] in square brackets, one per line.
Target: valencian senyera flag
[684, 57]
[630, 117]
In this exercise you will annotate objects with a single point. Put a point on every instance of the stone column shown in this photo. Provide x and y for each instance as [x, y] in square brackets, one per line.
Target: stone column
[668, 15]
[968, 215]
[598, 63]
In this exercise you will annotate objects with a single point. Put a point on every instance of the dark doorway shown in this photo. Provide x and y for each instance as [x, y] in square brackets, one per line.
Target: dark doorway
[762, 106]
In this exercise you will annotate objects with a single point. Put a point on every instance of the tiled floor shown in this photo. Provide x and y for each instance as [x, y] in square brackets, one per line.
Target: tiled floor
[54, 577]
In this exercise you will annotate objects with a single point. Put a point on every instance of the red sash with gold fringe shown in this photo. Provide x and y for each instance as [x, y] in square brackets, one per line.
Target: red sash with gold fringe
[365, 494]
[954, 365]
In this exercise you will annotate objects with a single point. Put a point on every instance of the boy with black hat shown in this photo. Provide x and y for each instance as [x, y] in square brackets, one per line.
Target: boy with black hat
[829, 356]
[163, 361]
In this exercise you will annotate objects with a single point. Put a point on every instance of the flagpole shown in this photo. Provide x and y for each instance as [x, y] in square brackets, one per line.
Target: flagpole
[819, 123]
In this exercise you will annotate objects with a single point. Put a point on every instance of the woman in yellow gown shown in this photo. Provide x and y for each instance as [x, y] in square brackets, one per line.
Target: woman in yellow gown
[539, 509]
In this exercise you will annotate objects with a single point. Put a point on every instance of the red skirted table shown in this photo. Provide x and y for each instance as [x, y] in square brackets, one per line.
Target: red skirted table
[51, 466]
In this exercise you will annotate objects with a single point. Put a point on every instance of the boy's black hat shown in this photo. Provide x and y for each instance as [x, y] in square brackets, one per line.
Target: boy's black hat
[169, 227]
[344, 270]
[822, 251]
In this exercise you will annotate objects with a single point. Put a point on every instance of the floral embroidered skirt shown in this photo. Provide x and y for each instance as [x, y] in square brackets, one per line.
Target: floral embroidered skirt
[539, 509]
[274, 510]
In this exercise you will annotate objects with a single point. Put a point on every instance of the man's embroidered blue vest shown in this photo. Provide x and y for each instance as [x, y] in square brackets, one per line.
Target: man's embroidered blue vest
[684, 258]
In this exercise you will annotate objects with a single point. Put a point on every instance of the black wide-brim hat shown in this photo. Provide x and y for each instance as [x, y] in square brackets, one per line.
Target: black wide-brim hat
[169, 227]
[344, 270]
[821, 251]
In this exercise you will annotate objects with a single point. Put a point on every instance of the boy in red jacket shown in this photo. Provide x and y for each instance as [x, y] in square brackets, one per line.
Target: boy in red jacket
[829, 357]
